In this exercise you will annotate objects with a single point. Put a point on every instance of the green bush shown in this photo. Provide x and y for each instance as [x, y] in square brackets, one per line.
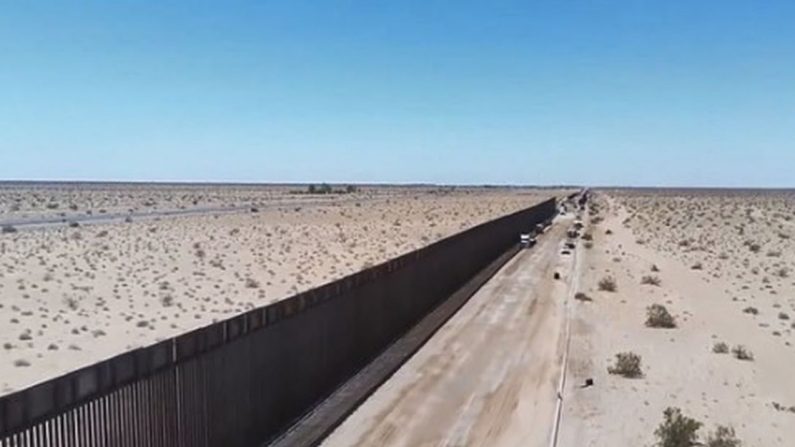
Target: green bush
[651, 280]
[657, 316]
[720, 348]
[608, 284]
[677, 430]
[751, 310]
[742, 353]
[627, 365]
[723, 437]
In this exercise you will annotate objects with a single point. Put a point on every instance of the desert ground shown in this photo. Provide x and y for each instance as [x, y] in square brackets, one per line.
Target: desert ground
[721, 264]
[74, 294]
[696, 284]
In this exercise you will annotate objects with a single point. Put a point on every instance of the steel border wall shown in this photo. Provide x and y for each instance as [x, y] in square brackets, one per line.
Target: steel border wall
[241, 381]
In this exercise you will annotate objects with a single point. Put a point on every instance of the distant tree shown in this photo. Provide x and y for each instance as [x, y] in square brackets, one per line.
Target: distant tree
[312, 189]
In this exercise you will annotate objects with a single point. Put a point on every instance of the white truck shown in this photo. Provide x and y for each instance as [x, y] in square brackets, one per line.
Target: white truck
[526, 240]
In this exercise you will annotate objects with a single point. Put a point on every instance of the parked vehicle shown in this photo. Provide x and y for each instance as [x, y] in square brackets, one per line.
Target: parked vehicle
[526, 240]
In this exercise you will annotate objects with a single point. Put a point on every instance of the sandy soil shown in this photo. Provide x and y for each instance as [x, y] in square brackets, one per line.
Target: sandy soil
[72, 296]
[724, 262]
[489, 376]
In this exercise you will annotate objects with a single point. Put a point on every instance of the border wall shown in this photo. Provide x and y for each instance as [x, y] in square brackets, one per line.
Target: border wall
[242, 381]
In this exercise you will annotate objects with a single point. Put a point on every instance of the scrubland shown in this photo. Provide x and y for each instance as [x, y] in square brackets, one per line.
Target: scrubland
[71, 295]
[691, 295]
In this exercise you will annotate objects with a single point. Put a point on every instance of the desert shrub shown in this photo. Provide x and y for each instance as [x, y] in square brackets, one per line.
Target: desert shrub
[608, 231]
[723, 436]
[608, 284]
[167, 300]
[588, 245]
[783, 316]
[697, 266]
[651, 280]
[21, 363]
[677, 430]
[102, 233]
[658, 316]
[587, 237]
[720, 348]
[74, 224]
[751, 310]
[580, 296]
[742, 353]
[754, 247]
[7, 229]
[774, 253]
[324, 188]
[252, 283]
[71, 303]
[654, 268]
[783, 272]
[627, 365]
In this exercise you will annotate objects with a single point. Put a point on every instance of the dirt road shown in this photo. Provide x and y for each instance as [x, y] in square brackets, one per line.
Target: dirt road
[489, 376]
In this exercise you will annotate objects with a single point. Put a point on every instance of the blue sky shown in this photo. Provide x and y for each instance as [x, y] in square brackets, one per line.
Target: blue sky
[685, 93]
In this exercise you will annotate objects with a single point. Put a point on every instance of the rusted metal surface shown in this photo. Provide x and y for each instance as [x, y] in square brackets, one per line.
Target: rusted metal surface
[242, 381]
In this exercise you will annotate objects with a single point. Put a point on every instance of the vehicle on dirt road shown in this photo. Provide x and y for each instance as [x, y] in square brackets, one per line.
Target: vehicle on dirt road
[526, 240]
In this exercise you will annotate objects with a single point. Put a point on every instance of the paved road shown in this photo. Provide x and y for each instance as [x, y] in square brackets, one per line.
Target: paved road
[489, 376]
